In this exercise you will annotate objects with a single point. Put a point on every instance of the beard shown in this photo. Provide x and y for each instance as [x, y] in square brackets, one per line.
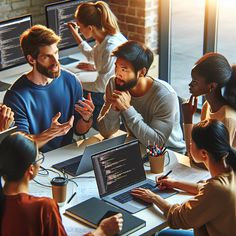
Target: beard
[127, 85]
[47, 71]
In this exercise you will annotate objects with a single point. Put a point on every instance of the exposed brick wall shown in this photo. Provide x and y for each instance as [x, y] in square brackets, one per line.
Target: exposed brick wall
[138, 20]
[14, 8]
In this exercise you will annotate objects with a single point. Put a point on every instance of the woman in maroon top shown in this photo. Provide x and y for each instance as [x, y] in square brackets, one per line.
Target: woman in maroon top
[26, 215]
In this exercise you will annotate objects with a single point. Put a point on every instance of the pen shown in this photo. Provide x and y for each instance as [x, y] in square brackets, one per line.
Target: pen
[163, 149]
[71, 197]
[164, 176]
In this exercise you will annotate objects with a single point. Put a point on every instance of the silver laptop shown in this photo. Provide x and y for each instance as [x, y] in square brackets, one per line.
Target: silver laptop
[118, 171]
[7, 132]
[82, 163]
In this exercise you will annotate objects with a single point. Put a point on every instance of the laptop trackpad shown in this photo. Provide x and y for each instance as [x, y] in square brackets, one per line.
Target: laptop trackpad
[134, 206]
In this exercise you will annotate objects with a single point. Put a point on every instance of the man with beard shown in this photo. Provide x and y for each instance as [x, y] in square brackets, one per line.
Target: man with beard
[148, 107]
[48, 101]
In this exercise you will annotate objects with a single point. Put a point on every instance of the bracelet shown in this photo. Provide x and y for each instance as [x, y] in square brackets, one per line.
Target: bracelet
[87, 121]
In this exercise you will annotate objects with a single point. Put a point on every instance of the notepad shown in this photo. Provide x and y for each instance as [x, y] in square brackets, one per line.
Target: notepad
[93, 210]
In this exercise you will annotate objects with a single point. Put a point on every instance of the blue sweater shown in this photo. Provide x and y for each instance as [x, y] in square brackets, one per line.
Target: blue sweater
[35, 105]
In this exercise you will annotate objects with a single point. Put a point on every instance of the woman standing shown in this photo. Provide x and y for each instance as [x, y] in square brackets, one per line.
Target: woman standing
[96, 20]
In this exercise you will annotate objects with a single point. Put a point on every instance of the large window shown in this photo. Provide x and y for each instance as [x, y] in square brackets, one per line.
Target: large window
[227, 30]
[187, 30]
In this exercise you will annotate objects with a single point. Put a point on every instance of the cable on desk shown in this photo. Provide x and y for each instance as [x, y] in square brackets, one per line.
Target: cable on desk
[73, 182]
[44, 185]
[43, 171]
[56, 172]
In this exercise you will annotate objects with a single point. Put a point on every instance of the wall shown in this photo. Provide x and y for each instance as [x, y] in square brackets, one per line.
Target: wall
[14, 8]
[138, 20]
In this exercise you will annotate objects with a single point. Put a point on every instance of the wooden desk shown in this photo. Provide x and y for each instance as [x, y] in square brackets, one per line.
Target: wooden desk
[87, 188]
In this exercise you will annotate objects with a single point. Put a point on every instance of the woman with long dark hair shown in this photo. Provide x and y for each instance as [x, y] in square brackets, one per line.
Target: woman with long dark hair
[212, 210]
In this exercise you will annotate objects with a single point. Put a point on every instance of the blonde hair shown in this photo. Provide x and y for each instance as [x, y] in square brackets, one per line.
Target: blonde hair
[99, 15]
[35, 37]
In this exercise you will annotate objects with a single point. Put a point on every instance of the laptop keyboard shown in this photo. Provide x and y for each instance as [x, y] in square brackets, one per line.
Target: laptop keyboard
[72, 168]
[126, 196]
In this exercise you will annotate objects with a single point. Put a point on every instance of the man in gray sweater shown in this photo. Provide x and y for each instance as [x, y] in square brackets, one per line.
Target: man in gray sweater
[148, 107]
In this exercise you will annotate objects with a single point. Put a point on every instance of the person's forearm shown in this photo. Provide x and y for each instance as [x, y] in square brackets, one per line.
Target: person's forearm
[187, 136]
[191, 188]
[108, 121]
[157, 132]
[161, 203]
[97, 232]
[83, 126]
[77, 37]
[42, 138]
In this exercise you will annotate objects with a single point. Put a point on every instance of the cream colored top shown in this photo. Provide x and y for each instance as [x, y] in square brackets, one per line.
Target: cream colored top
[212, 212]
[225, 114]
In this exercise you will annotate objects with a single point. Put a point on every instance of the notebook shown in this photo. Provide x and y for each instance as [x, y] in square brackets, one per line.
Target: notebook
[85, 212]
[7, 132]
[82, 163]
[118, 171]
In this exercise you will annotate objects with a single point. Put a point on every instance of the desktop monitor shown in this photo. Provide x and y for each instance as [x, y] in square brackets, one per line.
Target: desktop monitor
[10, 50]
[59, 13]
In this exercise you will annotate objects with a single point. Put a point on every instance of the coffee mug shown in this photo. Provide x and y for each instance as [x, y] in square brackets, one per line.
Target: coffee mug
[59, 189]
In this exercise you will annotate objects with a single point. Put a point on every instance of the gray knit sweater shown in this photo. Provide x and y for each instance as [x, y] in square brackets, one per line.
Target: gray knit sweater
[153, 117]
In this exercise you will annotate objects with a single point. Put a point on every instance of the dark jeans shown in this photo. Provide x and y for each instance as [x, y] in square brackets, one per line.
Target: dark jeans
[177, 232]
[98, 102]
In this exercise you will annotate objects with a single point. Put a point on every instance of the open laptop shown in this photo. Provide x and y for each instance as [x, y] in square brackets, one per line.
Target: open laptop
[82, 163]
[7, 132]
[118, 171]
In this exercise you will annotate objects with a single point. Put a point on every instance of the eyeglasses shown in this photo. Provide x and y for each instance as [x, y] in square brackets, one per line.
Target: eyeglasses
[40, 159]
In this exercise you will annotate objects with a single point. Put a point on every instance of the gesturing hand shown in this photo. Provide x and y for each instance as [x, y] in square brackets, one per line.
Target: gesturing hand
[6, 117]
[57, 129]
[85, 108]
[189, 108]
[86, 66]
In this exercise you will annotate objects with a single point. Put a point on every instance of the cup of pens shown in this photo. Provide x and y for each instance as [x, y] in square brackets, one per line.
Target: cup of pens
[157, 158]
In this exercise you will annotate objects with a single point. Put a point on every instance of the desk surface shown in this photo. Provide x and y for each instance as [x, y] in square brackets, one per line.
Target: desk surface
[87, 186]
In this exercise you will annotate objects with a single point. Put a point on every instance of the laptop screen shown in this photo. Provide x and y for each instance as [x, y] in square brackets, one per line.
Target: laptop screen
[118, 168]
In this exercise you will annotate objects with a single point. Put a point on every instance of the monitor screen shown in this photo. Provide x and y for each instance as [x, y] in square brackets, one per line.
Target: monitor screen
[10, 50]
[57, 14]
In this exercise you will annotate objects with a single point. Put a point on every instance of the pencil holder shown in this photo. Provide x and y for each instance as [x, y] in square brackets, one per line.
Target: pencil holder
[157, 164]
